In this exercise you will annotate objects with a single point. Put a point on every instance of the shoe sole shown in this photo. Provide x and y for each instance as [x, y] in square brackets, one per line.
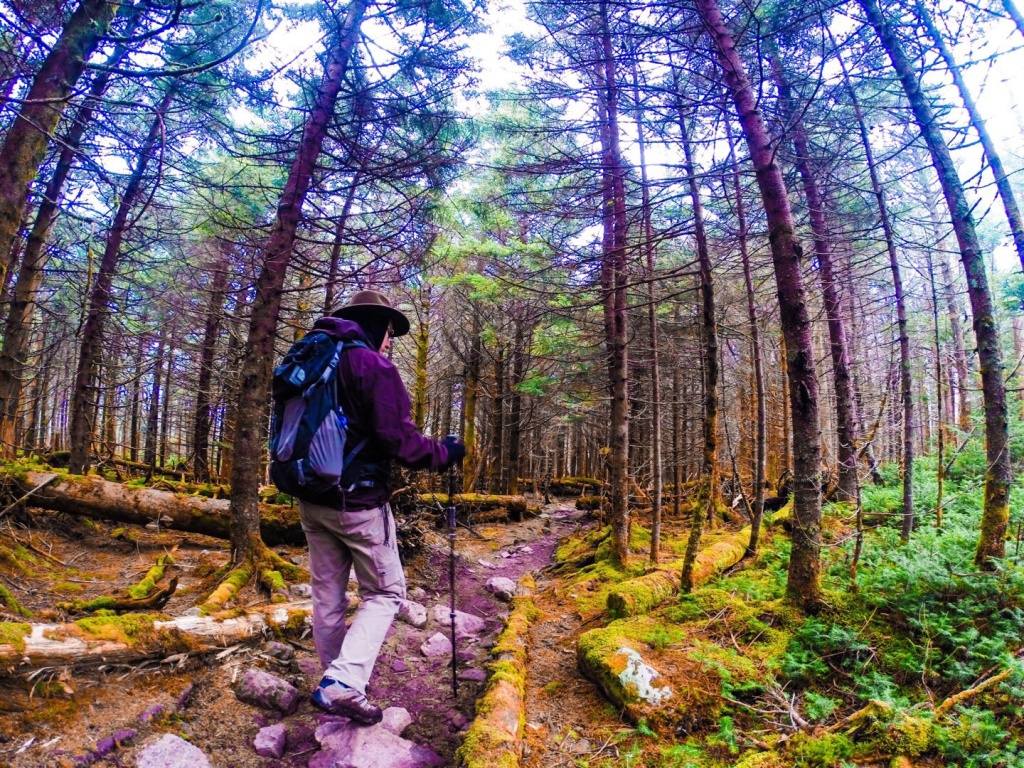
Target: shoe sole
[341, 710]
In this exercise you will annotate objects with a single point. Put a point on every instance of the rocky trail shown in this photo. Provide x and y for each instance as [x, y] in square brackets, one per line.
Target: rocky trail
[186, 709]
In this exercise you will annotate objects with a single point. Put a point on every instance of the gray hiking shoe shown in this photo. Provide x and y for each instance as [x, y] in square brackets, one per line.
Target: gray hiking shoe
[338, 699]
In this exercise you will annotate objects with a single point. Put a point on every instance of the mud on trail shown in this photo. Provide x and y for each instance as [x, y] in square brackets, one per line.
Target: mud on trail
[55, 716]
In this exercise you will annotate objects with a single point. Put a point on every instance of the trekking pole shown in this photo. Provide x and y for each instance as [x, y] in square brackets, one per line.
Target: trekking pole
[451, 570]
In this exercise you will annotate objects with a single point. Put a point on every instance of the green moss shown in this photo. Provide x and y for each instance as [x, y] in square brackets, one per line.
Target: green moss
[125, 629]
[104, 603]
[904, 734]
[825, 751]
[13, 633]
[10, 602]
[67, 587]
[147, 586]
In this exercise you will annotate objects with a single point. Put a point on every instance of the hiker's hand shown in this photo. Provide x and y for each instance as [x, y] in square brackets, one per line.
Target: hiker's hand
[456, 450]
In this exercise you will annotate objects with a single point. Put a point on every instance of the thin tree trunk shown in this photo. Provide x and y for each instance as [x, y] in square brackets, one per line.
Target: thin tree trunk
[803, 583]
[849, 486]
[523, 337]
[84, 395]
[472, 391]
[709, 345]
[614, 276]
[995, 162]
[996, 509]
[652, 331]
[203, 416]
[165, 406]
[906, 394]
[760, 441]
[258, 352]
[419, 386]
[28, 138]
[149, 455]
[33, 260]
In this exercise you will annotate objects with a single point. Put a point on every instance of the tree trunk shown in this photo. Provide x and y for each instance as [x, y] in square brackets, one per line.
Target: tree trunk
[28, 138]
[652, 331]
[523, 337]
[203, 415]
[995, 162]
[803, 584]
[614, 276]
[149, 456]
[474, 358]
[760, 441]
[30, 276]
[84, 394]
[419, 386]
[996, 509]
[702, 516]
[846, 428]
[258, 353]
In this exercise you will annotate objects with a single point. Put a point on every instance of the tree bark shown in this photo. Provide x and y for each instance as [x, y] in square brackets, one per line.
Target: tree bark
[702, 516]
[652, 331]
[846, 427]
[996, 508]
[93, 496]
[258, 352]
[28, 138]
[149, 456]
[203, 417]
[803, 584]
[85, 392]
[760, 441]
[995, 162]
[614, 276]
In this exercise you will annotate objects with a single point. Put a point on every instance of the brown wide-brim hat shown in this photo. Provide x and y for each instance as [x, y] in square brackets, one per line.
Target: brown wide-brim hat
[363, 303]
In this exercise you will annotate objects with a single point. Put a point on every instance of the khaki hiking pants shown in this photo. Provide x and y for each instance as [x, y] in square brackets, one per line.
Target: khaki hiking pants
[338, 543]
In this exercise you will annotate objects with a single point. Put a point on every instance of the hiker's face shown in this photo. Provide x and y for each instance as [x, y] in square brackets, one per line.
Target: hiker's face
[385, 345]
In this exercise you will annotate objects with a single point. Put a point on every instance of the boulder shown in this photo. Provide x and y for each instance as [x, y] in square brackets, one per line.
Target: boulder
[473, 675]
[171, 751]
[396, 719]
[466, 624]
[501, 587]
[270, 741]
[413, 614]
[267, 691]
[346, 745]
[436, 645]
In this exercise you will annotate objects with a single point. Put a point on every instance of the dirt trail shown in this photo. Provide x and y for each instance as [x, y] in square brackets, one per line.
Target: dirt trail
[80, 708]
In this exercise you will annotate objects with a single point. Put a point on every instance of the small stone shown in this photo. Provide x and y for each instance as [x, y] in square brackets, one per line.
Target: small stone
[278, 650]
[488, 564]
[457, 719]
[473, 675]
[579, 746]
[171, 751]
[501, 587]
[419, 594]
[504, 554]
[413, 614]
[399, 666]
[396, 719]
[270, 741]
[526, 550]
[437, 645]
[303, 591]
[466, 624]
[297, 559]
[193, 611]
[308, 666]
[267, 691]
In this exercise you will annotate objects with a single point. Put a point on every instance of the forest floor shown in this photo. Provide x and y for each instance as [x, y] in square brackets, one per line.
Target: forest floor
[51, 716]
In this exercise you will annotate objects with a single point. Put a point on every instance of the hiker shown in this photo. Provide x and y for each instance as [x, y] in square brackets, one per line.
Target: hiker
[354, 529]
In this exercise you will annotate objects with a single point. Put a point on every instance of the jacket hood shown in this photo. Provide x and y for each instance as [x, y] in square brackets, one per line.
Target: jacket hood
[341, 329]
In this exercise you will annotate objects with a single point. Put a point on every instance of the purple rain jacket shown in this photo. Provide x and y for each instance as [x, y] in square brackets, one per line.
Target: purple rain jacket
[376, 404]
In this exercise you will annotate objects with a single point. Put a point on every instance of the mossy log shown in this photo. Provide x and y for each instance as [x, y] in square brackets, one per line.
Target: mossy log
[95, 497]
[131, 637]
[153, 601]
[645, 593]
[574, 486]
[495, 738]
[480, 508]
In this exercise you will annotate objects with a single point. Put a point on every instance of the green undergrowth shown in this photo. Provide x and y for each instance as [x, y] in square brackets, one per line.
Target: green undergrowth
[917, 625]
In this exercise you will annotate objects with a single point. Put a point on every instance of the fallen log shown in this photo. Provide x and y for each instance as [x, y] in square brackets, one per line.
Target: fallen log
[131, 637]
[95, 497]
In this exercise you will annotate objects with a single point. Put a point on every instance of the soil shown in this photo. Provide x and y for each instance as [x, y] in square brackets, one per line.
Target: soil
[51, 716]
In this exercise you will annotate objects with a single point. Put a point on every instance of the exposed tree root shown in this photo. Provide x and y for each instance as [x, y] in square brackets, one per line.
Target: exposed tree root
[959, 698]
[152, 602]
[272, 571]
